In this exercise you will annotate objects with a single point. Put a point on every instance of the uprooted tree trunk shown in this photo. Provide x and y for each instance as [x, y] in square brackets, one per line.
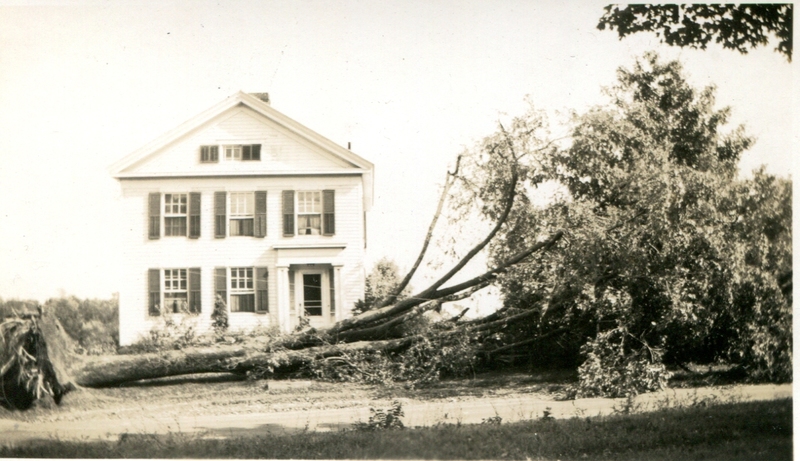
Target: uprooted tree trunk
[38, 361]
[37, 358]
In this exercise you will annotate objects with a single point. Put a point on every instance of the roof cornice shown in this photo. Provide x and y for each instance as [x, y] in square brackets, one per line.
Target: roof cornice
[241, 174]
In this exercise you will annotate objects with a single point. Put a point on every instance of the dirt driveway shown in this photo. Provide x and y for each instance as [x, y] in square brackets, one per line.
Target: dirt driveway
[233, 409]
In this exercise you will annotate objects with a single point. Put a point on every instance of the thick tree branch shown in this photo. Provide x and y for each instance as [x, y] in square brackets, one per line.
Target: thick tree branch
[384, 330]
[404, 305]
[376, 324]
[448, 183]
[526, 342]
[492, 274]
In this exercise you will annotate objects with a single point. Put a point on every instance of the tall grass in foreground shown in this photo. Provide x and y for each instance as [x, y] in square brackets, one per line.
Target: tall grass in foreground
[737, 431]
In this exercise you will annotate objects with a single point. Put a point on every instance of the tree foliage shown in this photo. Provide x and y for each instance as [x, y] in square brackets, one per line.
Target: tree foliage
[92, 323]
[381, 283]
[737, 27]
[653, 254]
[668, 257]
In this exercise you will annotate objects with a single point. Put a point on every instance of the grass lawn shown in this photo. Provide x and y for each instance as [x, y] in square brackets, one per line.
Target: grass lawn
[734, 431]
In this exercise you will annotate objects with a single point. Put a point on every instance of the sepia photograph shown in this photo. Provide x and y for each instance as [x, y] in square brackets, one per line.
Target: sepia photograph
[506, 229]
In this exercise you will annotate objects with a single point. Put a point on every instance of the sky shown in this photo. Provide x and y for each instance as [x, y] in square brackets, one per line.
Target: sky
[410, 84]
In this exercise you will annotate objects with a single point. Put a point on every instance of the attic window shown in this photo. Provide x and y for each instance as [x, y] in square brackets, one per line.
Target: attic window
[243, 152]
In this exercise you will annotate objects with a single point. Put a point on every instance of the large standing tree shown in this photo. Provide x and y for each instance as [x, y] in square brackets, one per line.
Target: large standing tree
[667, 256]
[738, 27]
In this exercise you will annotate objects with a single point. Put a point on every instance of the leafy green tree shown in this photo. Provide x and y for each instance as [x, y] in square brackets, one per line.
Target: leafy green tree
[736, 27]
[93, 323]
[668, 258]
[380, 284]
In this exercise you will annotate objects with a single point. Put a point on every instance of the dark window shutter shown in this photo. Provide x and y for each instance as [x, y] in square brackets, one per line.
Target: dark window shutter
[194, 290]
[209, 154]
[262, 291]
[332, 292]
[328, 213]
[260, 223]
[154, 214]
[220, 212]
[221, 283]
[288, 213]
[194, 215]
[154, 291]
[251, 152]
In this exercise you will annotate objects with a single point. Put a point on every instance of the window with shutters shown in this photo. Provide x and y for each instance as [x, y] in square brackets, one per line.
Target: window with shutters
[309, 212]
[175, 214]
[312, 211]
[242, 152]
[174, 291]
[242, 290]
[241, 214]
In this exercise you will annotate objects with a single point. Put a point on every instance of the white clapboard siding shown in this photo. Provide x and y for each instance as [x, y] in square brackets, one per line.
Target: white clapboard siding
[281, 150]
[208, 252]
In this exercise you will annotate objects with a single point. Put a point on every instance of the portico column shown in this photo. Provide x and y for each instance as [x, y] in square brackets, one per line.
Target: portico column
[284, 320]
[338, 292]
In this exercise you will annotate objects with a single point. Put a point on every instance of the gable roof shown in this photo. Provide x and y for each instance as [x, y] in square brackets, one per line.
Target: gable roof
[360, 165]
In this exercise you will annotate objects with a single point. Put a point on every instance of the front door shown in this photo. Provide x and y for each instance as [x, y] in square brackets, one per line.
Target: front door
[313, 296]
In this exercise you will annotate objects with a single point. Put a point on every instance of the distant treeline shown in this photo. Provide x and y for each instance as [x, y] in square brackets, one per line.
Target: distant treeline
[92, 323]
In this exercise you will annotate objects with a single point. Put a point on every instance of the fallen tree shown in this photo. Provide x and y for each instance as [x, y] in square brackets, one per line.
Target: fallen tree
[657, 256]
[35, 346]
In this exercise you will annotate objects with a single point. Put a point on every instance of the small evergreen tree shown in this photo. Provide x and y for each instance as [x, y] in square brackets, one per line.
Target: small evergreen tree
[219, 316]
[381, 283]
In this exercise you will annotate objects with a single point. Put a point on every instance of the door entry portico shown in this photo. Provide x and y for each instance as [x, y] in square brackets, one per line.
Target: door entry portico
[310, 286]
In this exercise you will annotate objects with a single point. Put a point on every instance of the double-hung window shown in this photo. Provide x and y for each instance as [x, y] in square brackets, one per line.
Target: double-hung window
[175, 214]
[247, 286]
[176, 293]
[241, 216]
[242, 291]
[309, 212]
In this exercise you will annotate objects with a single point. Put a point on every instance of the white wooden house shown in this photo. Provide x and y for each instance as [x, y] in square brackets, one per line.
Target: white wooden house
[245, 203]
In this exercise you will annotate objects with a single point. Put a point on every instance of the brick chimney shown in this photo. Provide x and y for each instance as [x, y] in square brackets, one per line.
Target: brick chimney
[262, 96]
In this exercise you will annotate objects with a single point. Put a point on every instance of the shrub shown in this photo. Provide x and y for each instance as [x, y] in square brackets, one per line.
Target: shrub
[169, 333]
[614, 368]
[383, 419]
